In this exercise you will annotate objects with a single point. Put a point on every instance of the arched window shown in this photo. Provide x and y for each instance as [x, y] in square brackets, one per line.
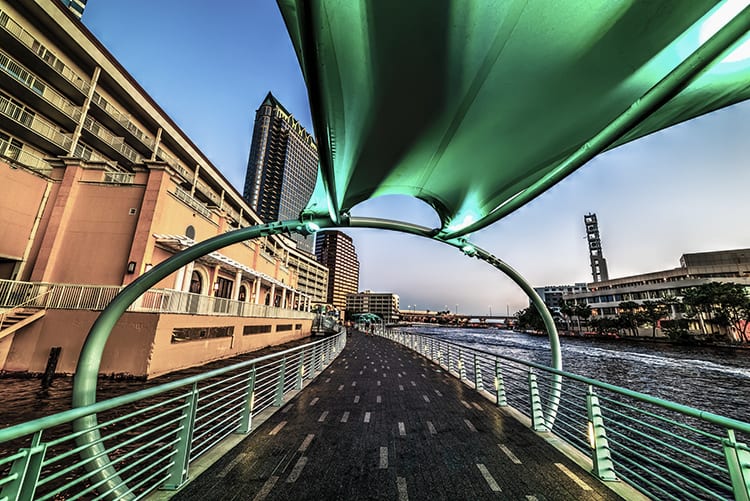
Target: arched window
[196, 283]
[243, 293]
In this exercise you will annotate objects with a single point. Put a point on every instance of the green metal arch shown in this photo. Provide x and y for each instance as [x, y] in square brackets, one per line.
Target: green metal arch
[87, 371]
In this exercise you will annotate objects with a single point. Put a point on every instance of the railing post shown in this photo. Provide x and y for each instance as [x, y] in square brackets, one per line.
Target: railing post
[246, 422]
[499, 386]
[279, 400]
[448, 358]
[461, 368]
[178, 473]
[26, 472]
[537, 414]
[600, 454]
[738, 462]
[300, 372]
[477, 374]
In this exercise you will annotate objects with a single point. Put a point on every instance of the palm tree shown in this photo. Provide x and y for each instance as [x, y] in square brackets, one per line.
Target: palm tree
[653, 311]
[582, 312]
[629, 316]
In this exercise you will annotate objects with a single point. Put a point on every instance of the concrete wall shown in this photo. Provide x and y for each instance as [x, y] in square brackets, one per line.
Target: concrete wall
[127, 350]
[168, 357]
[21, 202]
[140, 344]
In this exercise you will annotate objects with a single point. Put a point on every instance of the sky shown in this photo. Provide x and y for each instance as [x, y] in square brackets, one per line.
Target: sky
[686, 189]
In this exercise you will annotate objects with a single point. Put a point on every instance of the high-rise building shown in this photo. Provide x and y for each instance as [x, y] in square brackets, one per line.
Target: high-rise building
[598, 263]
[335, 249]
[97, 186]
[282, 166]
[75, 6]
[383, 304]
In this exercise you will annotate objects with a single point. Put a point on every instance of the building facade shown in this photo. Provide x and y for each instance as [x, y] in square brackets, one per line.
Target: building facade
[98, 185]
[335, 250]
[383, 304]
[282, 166]
[695, 269]
[552, 295]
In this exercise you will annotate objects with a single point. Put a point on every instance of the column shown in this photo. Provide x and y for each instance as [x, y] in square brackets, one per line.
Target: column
[256, 286]
[283, 298]
[179, 279]
[237, 283]
[188, 277]
[272, 300]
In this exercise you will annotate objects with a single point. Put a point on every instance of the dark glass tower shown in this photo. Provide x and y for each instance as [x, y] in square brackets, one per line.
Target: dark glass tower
[336, 250]
[282, 167]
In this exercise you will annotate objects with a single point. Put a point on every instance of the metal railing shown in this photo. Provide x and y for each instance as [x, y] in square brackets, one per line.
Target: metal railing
[152, 436]
[116, 142]
[664, 449]
[97, 297]
[184, 196]
[23, 157]
[28, 79]
[122, 119]
[119, 177]
[26, 38]
[34, 122]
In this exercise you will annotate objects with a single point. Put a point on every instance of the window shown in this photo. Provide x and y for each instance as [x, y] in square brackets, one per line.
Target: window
[255, 329]
[283, 327]
[182, 334]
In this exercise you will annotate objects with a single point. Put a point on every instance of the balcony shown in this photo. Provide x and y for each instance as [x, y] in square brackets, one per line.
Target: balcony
[43, 60]
[112, 177]
[102, 135]
[38, 131]
[118, 119]
[184, 196]
[164, 157]
[38, 93]
[19, 155]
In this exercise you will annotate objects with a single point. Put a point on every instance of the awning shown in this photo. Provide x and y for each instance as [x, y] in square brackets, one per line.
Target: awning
[181, 242]
[478, 106]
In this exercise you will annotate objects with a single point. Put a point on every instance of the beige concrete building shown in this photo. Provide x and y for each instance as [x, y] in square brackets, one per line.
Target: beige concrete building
[97, 185]
[383, 304]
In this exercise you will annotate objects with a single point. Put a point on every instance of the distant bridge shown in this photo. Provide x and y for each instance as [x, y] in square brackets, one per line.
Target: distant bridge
[435, 317]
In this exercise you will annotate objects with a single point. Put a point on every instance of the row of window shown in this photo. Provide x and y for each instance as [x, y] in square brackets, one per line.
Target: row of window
[183, 334]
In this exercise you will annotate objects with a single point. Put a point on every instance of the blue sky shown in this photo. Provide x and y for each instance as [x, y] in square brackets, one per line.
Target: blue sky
[687, 189]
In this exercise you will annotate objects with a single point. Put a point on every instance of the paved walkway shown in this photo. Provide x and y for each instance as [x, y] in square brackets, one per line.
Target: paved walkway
[384, 423]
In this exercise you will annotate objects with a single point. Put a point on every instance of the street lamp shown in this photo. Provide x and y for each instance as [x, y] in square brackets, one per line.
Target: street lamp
[490, 307]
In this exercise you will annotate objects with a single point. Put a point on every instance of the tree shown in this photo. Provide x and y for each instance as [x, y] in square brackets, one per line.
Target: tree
[653, 311]
[725, 304]
[567, 310]
[629, 316]
[582, 312]
[530, 319]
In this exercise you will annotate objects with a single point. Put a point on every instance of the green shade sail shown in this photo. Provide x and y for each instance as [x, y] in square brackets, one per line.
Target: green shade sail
[478, 106]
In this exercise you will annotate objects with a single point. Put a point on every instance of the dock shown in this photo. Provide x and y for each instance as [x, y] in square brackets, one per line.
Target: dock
[381, 422]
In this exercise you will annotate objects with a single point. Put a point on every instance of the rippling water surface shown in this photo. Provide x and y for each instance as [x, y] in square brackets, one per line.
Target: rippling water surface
[709, 378]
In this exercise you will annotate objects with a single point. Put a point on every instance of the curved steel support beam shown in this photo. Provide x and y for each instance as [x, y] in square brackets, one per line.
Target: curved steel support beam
[87, 371]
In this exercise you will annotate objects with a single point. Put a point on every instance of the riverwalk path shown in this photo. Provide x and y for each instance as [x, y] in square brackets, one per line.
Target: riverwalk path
[381, 422]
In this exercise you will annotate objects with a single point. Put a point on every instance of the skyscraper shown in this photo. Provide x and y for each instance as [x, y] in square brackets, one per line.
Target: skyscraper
[598, 263]
[282, 167]
[336, 250]
[75, 6]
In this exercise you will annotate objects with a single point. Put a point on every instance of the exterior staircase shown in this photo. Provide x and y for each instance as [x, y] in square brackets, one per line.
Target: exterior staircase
[16, 318]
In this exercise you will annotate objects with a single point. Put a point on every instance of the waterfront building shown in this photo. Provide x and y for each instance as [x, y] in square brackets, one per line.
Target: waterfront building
[552, 295]
[98, 185]
[282, 166]
[695, 269]
[383, 304]
[599, 270]
[335, 250]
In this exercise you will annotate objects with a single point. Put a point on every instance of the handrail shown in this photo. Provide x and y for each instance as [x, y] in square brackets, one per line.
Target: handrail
[4, 315]
[666, 404]
[164, 429]
[29, 427]
[664, 449]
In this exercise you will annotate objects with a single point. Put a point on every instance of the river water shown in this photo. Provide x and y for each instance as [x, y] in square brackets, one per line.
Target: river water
[708, 378]
[713, 379]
